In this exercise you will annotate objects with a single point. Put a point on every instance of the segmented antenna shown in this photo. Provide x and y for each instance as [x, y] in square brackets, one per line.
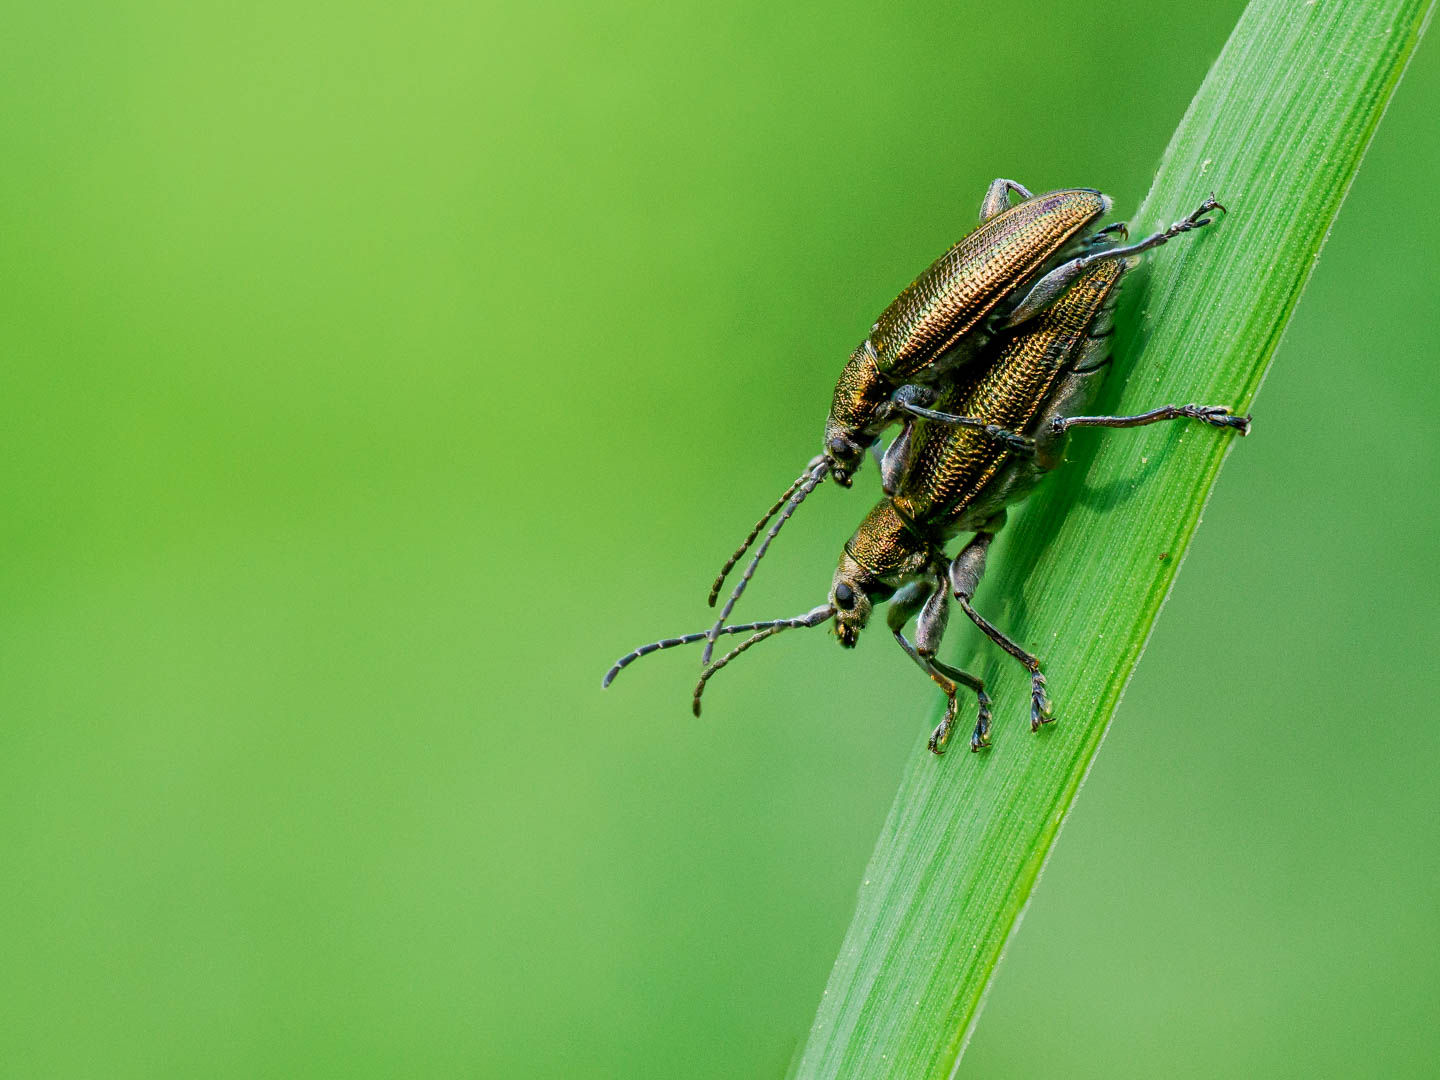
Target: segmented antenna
[813, 618]
[740, 551]
[670, 643]
[817, 473]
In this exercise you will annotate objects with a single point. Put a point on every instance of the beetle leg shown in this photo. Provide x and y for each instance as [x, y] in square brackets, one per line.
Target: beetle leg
[929, 630]
[965, 573]
[980, 736]
[997, 197]
[897, 457]
[1048, 289]
[1214, 415]
[930, 600]
[1019, 443]
[934, 616]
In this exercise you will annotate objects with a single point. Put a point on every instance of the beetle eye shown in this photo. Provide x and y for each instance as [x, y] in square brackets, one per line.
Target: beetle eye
[844, 596]
[838, 447]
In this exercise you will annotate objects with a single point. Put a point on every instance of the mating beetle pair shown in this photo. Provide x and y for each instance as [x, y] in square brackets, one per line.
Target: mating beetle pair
[1007, 336]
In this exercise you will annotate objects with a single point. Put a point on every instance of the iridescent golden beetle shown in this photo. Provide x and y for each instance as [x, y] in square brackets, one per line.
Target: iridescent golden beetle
[1000, 427]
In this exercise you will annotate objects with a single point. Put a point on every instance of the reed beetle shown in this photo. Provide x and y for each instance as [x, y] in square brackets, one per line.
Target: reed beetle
[1032, 383]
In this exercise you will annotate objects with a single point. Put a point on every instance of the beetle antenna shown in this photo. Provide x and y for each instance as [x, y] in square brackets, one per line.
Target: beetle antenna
[819, 615]
[730, 563]
[686, 639]
[815, 474]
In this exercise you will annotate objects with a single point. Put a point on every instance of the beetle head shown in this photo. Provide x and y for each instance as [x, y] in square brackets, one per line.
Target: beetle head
[844, 455]
[854, 592]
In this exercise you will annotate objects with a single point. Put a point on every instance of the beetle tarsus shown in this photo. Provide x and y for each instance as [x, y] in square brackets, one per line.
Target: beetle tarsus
[1221, 417]
[1198, 220]
[1042, 710]
[980, 737]
[940, 737]
[1205, 208]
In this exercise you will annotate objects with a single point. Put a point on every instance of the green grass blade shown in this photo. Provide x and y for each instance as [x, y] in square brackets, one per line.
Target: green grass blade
[1277, 130]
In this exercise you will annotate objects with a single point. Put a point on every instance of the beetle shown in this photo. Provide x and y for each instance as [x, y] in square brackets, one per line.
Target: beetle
[944, 480]
[941, 322]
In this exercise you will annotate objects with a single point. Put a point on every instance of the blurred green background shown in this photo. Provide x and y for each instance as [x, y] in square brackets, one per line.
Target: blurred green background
[375, 376]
